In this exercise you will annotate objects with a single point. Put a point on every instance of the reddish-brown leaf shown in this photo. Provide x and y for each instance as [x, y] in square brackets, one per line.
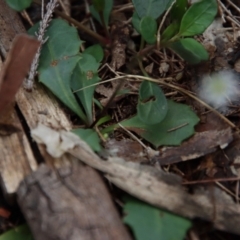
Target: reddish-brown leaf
[16, 68]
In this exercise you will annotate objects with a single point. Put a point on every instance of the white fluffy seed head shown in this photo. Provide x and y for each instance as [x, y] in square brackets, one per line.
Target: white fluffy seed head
[220, 89]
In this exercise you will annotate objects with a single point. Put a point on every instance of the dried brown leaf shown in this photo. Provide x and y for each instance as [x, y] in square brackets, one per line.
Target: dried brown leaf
[127, 149]
[199, 145]
[16, 68]
[120, 36]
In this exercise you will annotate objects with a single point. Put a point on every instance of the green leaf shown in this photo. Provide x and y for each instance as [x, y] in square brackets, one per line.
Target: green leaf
[170, 32]
[103, 120]
[178, 10]
[97, 103]
[151, 8]
[19, 233]
[106, 12]
[152, 105]
[99, 5]
[190, 50]
[198, 17]
[136, 21]
[90, 137]
[85, 74]
[150, 223]
[96, 51]
[177, 126]
[19, 5]
[59, 57]
[148, 29]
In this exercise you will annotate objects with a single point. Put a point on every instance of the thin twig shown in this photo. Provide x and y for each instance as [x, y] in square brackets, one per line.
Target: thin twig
[67, 12]
[150, 152]
[228, 179]
[87, 10]
[161, 24]
[133, 136]
[178, 127]
[233, 5]
[225, 189]
[230, 17]
[47, 17]
[233, 20]
[26, 16]
[221, 11]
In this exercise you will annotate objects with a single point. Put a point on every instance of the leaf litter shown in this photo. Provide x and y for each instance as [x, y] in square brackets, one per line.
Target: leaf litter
[213, 149]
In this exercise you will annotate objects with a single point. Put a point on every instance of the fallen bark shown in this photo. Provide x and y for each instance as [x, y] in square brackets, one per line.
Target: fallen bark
[69, 204]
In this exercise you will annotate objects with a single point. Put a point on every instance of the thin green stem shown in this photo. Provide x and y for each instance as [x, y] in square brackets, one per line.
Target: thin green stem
[142, 68]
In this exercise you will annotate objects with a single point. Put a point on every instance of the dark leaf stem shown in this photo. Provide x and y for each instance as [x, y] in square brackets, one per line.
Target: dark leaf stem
[81, 27]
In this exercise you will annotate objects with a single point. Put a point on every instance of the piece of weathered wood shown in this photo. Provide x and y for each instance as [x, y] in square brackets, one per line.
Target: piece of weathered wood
[16, 157]
[41, 106]
[57, 205]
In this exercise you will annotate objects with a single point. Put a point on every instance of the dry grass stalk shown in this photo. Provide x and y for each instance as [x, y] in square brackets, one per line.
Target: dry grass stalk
[46, 19]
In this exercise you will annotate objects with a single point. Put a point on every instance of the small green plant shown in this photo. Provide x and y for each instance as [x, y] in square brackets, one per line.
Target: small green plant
[63, 69]
[60, 60]
[158, 120]
[185, 22]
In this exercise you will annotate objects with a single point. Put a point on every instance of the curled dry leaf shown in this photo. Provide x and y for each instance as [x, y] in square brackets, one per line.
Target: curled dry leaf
[149, 68]
[57, 142]
[164, 68]
[16, 68]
